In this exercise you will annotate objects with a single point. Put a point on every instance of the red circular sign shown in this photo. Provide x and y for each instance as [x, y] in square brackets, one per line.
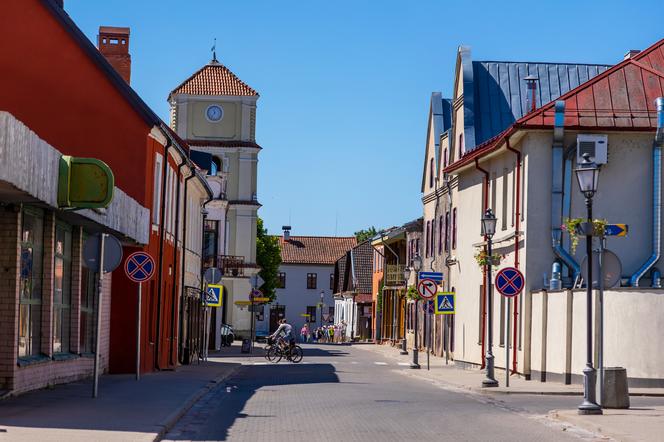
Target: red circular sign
[139, 267]
[509, 281]
[427, 288]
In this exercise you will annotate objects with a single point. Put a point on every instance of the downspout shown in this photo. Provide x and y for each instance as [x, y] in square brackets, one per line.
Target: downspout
[175, 257]
[516, 204]
[162, 228]
[485, 203]
[656, 196]
[557, 193]
[184, 256]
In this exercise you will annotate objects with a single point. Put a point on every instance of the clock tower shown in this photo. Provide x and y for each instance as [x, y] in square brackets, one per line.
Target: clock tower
[215, 112]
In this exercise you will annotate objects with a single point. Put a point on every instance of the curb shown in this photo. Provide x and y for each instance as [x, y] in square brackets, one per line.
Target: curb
[173, 418]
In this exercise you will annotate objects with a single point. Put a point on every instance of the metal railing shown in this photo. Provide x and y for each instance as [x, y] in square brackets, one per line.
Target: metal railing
[231, 265]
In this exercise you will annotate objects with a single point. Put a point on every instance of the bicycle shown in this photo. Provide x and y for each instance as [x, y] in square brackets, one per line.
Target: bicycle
[293, 353]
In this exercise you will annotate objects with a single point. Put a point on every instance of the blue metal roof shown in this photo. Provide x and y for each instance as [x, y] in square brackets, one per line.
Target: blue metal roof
[500, 96]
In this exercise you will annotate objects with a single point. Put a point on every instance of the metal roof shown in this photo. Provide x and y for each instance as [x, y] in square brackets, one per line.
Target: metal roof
[501, 95]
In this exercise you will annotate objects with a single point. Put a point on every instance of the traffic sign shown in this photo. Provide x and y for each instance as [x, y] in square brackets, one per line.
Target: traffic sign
[242, 302]
[445, 304]
[431, 307]
[261, 299]
[255, 293]
[436, 276]
[112, 252]
[214, 295]
[257, 281]
[212, 275]
[509, 281]
[306, 315]
[139, 267]
[616, 230]
[427, 288]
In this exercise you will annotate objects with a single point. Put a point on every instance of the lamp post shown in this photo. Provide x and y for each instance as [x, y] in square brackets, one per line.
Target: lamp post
[417, 266]
[320, 319]
[404, 345]
[587, 174]
[488, 229]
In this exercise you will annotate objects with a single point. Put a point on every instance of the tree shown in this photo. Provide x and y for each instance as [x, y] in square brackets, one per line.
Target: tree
[268, 258]
[365, 234]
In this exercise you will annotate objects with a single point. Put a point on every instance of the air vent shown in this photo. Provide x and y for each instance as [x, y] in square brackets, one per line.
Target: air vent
[594, 145]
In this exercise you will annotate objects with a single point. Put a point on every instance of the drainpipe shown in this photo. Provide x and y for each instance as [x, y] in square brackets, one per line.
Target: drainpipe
[485, 203]
[516, 204]
[175, 257]
[656, 196]
[557, 194]
[184, 256]
[160, 270]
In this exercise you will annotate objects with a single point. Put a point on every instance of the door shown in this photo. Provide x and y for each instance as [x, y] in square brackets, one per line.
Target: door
[277, 312]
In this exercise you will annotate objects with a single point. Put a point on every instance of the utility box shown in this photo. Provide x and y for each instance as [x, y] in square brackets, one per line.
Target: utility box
[615, 390]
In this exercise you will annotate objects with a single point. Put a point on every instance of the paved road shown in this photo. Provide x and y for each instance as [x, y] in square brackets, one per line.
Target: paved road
[341, 393]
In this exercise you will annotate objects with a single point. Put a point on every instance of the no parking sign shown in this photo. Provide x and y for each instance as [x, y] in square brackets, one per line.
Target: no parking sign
[509, 282]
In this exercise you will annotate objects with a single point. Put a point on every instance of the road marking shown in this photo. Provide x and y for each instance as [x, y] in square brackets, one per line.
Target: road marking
[380, 363]
[354, 362]
[261, 363]
[404, 364]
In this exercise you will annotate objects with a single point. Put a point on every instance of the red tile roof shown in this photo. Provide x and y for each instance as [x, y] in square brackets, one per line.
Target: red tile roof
[314, 249]
[621, 98]
[214, 79]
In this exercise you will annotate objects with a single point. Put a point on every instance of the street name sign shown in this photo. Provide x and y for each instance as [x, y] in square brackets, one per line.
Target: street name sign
[509, 281]
[616, 230]
[261, 299]
[139, 267]
[445, 304]
[435, 276]
[214, 295]
[241, 302]
[427, 288]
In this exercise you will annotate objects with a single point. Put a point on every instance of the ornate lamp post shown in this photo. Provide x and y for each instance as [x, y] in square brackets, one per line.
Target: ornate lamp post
[404, 345]
[587, 174]
[417, 266]
[489, 221]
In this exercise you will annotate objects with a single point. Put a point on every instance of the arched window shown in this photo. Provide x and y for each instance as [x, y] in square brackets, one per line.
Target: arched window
[454, 228]
[433, 237]
[431, 171]
[444, 158]
[426, 239]
[461, 148]
[440, 235]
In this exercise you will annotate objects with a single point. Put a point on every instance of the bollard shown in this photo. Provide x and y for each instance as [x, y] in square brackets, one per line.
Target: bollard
[616, 391]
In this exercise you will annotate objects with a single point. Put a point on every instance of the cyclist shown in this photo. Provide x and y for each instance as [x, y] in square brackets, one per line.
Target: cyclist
[284, 334]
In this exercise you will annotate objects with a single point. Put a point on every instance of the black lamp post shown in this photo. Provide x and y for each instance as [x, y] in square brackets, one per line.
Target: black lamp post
[587, 174]
[417, 266]
[489, 221]
[404, 345]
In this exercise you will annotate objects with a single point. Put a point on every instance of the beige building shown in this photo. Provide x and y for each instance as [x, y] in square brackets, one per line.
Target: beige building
[215, 112]
[525, 174]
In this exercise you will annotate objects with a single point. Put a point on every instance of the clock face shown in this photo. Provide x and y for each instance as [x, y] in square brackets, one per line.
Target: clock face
[214, 113]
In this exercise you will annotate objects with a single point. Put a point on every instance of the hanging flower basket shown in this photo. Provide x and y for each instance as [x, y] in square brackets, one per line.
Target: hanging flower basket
[483, 258]
[578, 227]
[412, 294]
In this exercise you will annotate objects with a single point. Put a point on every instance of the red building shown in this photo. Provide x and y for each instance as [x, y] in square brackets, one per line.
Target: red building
[60, 85]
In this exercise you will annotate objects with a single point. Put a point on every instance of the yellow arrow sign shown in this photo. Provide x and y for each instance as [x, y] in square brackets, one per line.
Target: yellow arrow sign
[305, 314]
[261, 299]
[242, 302]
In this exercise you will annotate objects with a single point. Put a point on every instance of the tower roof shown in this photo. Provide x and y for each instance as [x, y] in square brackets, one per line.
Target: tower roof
[214, 79]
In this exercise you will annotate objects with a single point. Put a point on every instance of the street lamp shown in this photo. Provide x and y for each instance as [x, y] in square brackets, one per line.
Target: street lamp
[489, 221]
[404, 345]
[320, 319]
[417, 266]
[587, 174]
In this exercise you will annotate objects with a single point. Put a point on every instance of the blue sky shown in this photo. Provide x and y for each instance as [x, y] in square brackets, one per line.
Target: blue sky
[345, 84]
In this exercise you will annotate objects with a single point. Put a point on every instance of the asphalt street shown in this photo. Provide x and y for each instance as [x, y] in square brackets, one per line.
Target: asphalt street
[345, 393]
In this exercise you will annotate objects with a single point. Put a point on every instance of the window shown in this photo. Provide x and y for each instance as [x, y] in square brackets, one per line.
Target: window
[210, 248]
[426, 240]
[88, 310]
[440, 234]
[330, 314]
[282, 280]
[503, 221]
[447, 231]
[32, 246]
[417, 247]
[433, 237]
[454, 228]
[62, 289]
[331, 281]
[431, 172]
[312, 282]
[311, 311]
[156, 191]
[461, 147]
[444, 158]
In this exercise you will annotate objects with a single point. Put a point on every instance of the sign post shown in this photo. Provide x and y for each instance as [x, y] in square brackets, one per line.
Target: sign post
[95, 385]
[509, 283]
[139, 267]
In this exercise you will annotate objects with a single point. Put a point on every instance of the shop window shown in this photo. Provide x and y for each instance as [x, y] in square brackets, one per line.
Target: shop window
[88, 326]
[62, 289]
[312, 282]
[30, 297]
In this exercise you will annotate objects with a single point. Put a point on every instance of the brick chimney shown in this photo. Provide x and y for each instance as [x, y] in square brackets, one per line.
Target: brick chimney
[113, 43]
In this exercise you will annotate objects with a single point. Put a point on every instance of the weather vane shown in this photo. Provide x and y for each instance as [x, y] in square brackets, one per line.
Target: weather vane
[214, 51]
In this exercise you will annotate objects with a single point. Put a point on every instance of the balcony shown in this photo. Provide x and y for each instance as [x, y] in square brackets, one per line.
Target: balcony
[394, 274]
[231, 265]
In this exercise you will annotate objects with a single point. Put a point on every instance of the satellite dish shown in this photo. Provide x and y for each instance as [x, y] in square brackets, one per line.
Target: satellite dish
[611, 269]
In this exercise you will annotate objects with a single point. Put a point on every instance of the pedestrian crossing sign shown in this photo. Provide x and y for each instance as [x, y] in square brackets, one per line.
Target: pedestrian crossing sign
[445, 303]
[214, 295]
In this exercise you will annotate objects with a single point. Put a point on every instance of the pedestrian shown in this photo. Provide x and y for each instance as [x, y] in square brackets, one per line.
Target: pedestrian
[304, 332]
[331, 333]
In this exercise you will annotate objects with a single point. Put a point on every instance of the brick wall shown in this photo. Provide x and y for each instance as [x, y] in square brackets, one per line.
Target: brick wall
[10, 228]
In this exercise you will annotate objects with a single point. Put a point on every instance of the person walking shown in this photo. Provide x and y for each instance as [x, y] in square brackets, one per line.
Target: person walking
[304, 331]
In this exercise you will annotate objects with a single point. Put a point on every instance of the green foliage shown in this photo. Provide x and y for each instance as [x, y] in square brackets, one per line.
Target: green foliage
[365, 234]
[379, 297]
[412, 293]
[268, 258]
[572, 227]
